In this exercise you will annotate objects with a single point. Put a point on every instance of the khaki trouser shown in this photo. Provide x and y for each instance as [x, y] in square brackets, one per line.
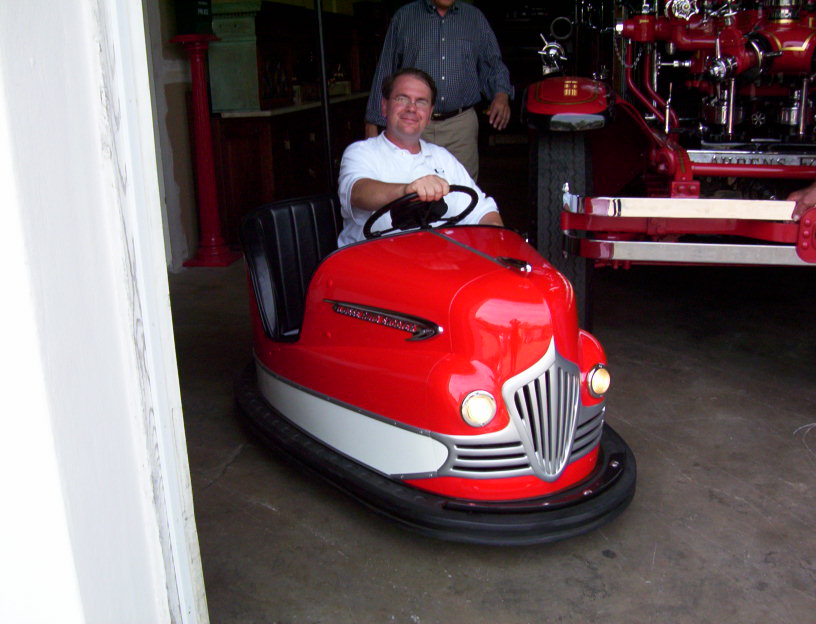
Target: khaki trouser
[460, 136]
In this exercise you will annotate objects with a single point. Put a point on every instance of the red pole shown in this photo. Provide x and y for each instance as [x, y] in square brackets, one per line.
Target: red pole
[212, 251]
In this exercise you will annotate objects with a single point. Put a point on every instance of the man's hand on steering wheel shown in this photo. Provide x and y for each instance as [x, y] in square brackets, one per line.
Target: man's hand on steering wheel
[428, 188]
[410, 211]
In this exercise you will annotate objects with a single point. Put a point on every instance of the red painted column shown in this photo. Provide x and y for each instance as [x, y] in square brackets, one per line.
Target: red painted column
[212, 250]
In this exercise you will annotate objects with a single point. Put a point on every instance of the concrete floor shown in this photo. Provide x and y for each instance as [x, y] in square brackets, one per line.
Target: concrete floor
[713, 388]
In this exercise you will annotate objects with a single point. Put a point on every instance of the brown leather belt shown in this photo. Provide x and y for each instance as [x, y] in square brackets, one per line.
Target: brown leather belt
[449, 114]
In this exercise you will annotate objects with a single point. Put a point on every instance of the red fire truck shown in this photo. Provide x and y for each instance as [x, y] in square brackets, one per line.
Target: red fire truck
[672, 132]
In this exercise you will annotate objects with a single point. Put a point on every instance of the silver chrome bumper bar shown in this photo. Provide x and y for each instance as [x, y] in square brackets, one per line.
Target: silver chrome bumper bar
[695, 253]
[662, 251]
[679, 208]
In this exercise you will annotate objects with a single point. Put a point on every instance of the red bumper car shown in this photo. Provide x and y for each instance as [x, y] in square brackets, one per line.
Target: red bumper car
[438, 375]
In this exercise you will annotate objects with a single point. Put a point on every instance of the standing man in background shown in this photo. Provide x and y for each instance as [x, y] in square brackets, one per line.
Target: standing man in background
[453, 42]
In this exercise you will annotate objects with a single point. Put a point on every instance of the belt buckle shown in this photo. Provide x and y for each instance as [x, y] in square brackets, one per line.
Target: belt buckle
[448, 115]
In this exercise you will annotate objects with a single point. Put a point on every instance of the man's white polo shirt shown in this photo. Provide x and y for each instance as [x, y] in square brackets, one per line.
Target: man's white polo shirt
[379, 159]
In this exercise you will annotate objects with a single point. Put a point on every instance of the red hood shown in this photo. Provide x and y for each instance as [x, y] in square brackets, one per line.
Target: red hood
[455, 278]
[493, 319]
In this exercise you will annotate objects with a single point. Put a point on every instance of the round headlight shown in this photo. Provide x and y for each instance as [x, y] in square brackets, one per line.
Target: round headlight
[478, 408]
[598, 380]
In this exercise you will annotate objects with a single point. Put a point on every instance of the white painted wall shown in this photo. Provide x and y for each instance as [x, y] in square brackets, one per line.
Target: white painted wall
[97, 522]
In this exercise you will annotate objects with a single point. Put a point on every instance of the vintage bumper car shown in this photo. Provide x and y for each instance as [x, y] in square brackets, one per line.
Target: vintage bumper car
[436, 374]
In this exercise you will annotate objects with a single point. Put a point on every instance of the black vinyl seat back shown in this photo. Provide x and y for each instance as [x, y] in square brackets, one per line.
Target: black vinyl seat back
[283, 243]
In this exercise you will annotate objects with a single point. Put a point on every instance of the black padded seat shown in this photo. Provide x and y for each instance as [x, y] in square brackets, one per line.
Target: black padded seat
[283, 243]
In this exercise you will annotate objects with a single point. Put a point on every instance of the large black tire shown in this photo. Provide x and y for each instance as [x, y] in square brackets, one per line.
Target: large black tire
[556, 158]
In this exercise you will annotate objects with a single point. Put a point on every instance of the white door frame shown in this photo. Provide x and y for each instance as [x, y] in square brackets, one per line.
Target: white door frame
[99, 525]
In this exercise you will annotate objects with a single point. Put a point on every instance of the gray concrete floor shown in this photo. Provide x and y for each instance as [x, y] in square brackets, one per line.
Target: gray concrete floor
[713, 388]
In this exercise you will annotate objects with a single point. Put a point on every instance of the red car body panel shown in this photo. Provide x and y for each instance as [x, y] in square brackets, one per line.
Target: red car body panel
[495, 323]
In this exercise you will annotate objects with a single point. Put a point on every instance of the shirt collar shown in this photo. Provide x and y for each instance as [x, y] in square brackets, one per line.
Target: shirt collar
[432, 7]
[423, 151]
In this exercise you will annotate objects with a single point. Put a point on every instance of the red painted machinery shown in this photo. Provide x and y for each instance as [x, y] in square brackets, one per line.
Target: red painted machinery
[671, 131]
[438, 375]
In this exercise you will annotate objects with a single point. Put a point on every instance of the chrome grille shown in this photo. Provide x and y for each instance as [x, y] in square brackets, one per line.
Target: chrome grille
[547, 407]
[543, 401]
[486, 456]
[509, 459]
[587, 434]
[549, 427]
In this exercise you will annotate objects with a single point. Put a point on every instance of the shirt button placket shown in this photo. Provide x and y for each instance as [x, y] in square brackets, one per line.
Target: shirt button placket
[442, 54]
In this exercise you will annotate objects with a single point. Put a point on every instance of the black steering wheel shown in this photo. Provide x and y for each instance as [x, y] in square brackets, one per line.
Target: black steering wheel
[409, 213]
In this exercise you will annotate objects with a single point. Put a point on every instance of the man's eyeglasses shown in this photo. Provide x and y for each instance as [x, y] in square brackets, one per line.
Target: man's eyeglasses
[404, 100]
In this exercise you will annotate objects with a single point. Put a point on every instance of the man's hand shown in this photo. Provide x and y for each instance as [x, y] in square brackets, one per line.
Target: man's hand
[499, 111]
[428, 188]
[371, 195]
[805, 199]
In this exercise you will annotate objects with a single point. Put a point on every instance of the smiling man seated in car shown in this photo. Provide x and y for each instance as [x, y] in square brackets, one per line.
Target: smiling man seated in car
[379, 170]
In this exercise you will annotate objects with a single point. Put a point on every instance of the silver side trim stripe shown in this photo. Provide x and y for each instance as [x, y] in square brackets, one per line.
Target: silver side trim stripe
[380, 445]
